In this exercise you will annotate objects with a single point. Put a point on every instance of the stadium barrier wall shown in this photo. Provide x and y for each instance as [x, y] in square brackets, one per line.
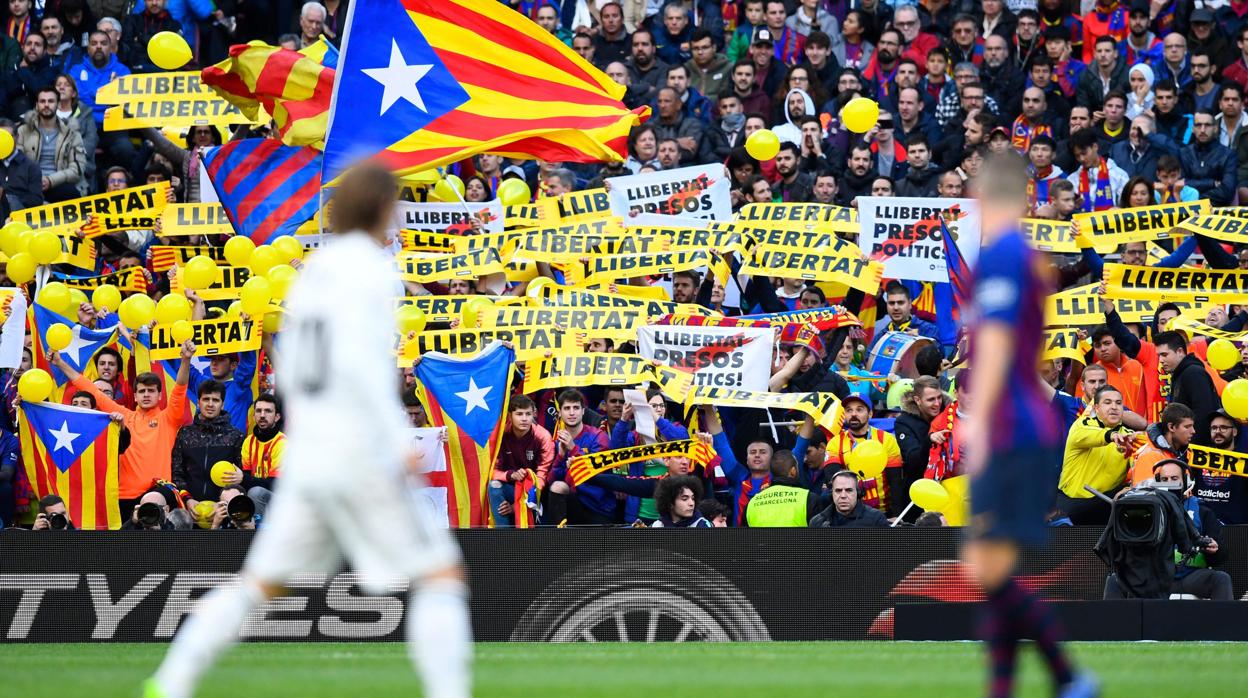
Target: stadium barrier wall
[542, 585]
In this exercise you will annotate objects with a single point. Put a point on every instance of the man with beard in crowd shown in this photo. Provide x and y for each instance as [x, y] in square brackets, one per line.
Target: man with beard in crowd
[647, 72]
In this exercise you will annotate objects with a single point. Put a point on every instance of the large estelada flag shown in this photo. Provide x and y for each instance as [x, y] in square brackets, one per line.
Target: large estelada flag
[423, 83]
[86, 343]
[468, 397]
[266, 188]
[72, 452]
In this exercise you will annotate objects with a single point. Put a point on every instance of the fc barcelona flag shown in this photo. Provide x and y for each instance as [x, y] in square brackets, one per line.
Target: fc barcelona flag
[72, 452]
[469, 398]
[267, 189]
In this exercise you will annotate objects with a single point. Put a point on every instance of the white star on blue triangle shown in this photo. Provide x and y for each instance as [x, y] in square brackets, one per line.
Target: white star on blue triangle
[470, 391]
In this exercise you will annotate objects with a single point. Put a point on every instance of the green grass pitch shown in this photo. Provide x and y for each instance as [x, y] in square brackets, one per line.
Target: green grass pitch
[788, 669]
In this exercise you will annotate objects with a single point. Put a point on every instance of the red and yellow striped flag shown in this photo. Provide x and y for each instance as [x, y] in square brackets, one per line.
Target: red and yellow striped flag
[72, 452]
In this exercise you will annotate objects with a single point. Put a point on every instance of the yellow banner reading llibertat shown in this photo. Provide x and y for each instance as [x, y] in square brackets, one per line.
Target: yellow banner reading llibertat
[820, 218]
[529, 342]
[600, 227]
[1063, 343]
[581, 370]
[1081, 307]
[697, 238]
[419, 267]
[570, 248]
[582, 468]
[630, 266]
[76, 251]
[581, 205]
[222, 335]
[181, 220]
[617, 324]
[166, 257]
[574, 297]
[422, 241]
[227, 286]
[1207, 285]
[1056, 236]
[790, 263]
[442, 308]
[144, 198]
[1207, 458]
[542, 212]
[1192, 326]
[131, 279]
[824, 408]
[119, 223]
[793, 239]
[1219, 226]
[172, 87]
[1121, 225]
[162, 113]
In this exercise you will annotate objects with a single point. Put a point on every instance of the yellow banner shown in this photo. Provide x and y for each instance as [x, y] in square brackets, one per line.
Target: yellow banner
[820, 218]
[544, 212]
[162, 113]
[1120, 225]
[227, 286]
[790, 263]
[131, 279]
[582, 468]
[1192, 326]
[213, 337]
[794, 239]
[172, 87]
[146, 197]
[720, 240]
[1055, 236]
[178, 220]
[529, 342]
[599, 227]
[1219, 226]
[1201, 285]
[442, 308]
[629, 266]
[581, 370]
[1062, 343]
[616, 324]
[120, 223]
[76, 251]
[572, 297]
[419, 267]
[571, 248]
[823, 407]
[580, 205]
[422, 241]
[1207, 458]
[166, 257]
[1081, 307]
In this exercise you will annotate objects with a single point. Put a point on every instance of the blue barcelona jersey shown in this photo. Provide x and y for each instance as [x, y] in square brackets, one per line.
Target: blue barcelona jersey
[1011, 284]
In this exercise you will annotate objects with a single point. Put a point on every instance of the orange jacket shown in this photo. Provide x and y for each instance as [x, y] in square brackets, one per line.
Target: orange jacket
[151, 438]
[1145, 458]
[1129, 378]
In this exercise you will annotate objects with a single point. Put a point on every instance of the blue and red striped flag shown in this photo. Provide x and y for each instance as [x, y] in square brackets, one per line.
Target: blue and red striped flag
[959, 272]
[72, 452]
[424, 83]
[468, 397]
[267, 189]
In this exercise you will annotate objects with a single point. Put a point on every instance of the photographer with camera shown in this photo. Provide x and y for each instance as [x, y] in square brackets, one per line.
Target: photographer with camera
[234, 511]
[152, 513]
[1193, 573]
[53, 516]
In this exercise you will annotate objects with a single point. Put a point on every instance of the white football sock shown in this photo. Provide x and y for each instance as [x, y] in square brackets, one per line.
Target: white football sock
[211, 629]
[439, 638]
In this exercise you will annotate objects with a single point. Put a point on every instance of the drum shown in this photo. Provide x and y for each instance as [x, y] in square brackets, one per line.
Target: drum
[895, 352]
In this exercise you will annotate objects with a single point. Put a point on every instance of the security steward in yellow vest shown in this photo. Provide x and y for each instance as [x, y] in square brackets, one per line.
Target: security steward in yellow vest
[784, 503]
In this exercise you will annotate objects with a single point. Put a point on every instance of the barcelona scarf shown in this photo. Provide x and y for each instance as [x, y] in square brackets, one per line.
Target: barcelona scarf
[1038, 186]
[1025, 131]
[1100, 199]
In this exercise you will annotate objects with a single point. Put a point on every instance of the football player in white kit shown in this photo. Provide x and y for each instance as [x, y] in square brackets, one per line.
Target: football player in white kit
[349, 469]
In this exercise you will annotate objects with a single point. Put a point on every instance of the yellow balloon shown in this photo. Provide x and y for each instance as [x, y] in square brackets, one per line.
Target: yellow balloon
[281, 277]
[263, 259]
[929, 495]
[449, 189]
[168, 50]
[10, 234]
[181, 331]
[255, 296]
[203, 514]
[762, 145]
[475, 309]
[860, 114]
[55, 297]
[238, 250]
[136, 311]
[1235, 398]
[235, 310]
[958, 487]
[106, 297]
[1222, 354]
[273, 322]
[21, 268]
[45, 247]
[6, 144]
[59, 337]
[173, 307]
[35, 385]
[200, 272]
[409, 318]
[514, 192]
[76, 299]
[867, 459]
[288, 249]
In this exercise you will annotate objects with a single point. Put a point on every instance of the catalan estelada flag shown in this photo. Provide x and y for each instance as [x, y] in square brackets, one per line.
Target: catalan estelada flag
[289, 86]
[86, 343]
[267, 189]
[469, 398]
[423, 83]
[72, 452]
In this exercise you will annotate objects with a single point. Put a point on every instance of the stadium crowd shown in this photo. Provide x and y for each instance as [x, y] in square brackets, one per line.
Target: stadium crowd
[1115, 106]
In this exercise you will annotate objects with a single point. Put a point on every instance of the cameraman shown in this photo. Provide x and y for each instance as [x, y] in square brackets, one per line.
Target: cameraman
[53, 515]
[151, 514]
[1193, 574]
[234, 511]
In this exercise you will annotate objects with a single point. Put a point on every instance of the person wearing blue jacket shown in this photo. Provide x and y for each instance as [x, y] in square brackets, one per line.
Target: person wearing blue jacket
[1137, 253]
[624, 434]
[99, 68]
